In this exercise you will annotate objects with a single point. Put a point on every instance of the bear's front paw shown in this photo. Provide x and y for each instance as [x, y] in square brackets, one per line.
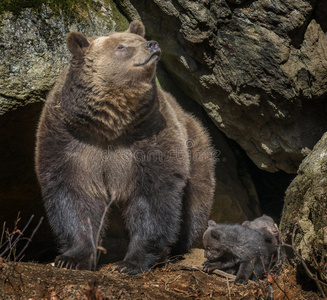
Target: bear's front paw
[240, 280]
[69, 262]
[131, 268]
[210, 266]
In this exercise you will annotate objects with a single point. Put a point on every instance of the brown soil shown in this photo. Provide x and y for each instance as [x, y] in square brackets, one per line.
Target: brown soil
[181, 280]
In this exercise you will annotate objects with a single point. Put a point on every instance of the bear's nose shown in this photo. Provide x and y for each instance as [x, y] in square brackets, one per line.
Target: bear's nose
[153, 45]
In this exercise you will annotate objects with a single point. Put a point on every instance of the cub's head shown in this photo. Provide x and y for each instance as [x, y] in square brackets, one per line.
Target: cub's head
[263, 223]
[213, 248]
[120, 59]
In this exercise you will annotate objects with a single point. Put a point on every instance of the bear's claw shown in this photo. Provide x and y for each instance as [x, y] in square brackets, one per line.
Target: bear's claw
[131, 268]
[68, 262]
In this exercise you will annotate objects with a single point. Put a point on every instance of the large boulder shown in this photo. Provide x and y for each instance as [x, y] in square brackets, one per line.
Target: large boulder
[305, 209]
[259, 68]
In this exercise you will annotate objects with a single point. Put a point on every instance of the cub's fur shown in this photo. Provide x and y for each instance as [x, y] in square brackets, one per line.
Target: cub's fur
[263, 224]
[109, 133]
[267, 227]
[235, 249]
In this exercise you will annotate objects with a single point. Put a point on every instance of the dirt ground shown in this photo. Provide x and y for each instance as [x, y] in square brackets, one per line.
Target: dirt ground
[180, 280]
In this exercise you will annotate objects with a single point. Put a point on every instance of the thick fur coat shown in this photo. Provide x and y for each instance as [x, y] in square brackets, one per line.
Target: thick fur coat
[109, 134]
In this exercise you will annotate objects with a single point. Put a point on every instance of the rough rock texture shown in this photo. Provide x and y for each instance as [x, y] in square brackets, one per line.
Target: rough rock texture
[33, 51]
[306, 208]
[258, 67]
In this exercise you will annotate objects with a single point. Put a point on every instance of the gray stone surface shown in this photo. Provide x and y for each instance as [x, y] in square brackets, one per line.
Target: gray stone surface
[258, 67]
[33, 50]
[306, 208]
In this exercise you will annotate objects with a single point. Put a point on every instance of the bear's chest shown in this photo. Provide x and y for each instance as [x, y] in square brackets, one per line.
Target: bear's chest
[106, 173]
[119, 173]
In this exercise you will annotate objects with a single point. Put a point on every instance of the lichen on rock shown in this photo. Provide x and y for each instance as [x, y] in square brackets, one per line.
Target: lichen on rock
[305, 207]
[33, 50]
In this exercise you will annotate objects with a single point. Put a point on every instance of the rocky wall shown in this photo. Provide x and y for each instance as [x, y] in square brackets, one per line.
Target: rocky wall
[259, 68]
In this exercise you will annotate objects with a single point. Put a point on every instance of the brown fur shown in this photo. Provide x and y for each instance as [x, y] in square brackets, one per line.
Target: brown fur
[109, 133]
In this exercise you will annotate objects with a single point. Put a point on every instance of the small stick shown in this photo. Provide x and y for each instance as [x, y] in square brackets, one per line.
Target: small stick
[29, 239]
[224, 274]
[2, 234]
[228, 287]
[11, 245]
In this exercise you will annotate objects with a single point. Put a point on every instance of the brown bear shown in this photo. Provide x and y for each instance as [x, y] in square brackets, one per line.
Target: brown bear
[109, 134]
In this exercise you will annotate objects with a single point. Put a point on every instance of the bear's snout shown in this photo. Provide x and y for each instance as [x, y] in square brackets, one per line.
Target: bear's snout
[153, 45]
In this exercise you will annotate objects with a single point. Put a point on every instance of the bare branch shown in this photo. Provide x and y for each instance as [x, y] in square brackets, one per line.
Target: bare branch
[30, 239]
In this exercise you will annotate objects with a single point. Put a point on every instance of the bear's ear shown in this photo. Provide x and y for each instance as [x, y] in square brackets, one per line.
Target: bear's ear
[77, 43]
[136, 27]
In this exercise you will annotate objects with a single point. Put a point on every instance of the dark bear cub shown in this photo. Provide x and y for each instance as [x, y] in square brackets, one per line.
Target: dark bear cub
[235, 249]
[267, 227]
[109, 134]
[263, 224]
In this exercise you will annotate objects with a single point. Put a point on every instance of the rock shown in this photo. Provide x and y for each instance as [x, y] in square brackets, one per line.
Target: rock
[306, 206]
[258, 68]
[33, 50]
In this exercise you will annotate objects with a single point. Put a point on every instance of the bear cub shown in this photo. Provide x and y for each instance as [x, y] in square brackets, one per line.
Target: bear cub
[235, 249]
[109, 135]
[267, 227]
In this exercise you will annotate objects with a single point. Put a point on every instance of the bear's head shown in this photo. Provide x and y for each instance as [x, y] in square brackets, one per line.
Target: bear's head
[120, 59]
[109, 86]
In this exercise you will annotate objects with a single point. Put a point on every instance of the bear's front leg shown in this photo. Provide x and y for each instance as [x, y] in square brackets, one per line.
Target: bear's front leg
[244, 273]
[75, 222]
[209, 266]
[153, 226]
[226, 266]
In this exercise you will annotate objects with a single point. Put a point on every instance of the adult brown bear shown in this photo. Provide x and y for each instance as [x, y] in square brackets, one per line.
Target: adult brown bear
[109, 133]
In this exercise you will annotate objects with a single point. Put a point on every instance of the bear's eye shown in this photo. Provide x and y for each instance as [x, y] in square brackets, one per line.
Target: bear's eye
[121, 47]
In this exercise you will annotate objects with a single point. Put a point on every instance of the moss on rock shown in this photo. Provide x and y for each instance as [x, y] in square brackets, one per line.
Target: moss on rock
[74, 8]
[33, 50]
[306, 209]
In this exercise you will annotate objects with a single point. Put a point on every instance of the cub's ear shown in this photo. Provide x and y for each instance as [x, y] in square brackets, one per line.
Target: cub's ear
[211, 223]
[136, 27]
[246, 223]
[77, 43]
